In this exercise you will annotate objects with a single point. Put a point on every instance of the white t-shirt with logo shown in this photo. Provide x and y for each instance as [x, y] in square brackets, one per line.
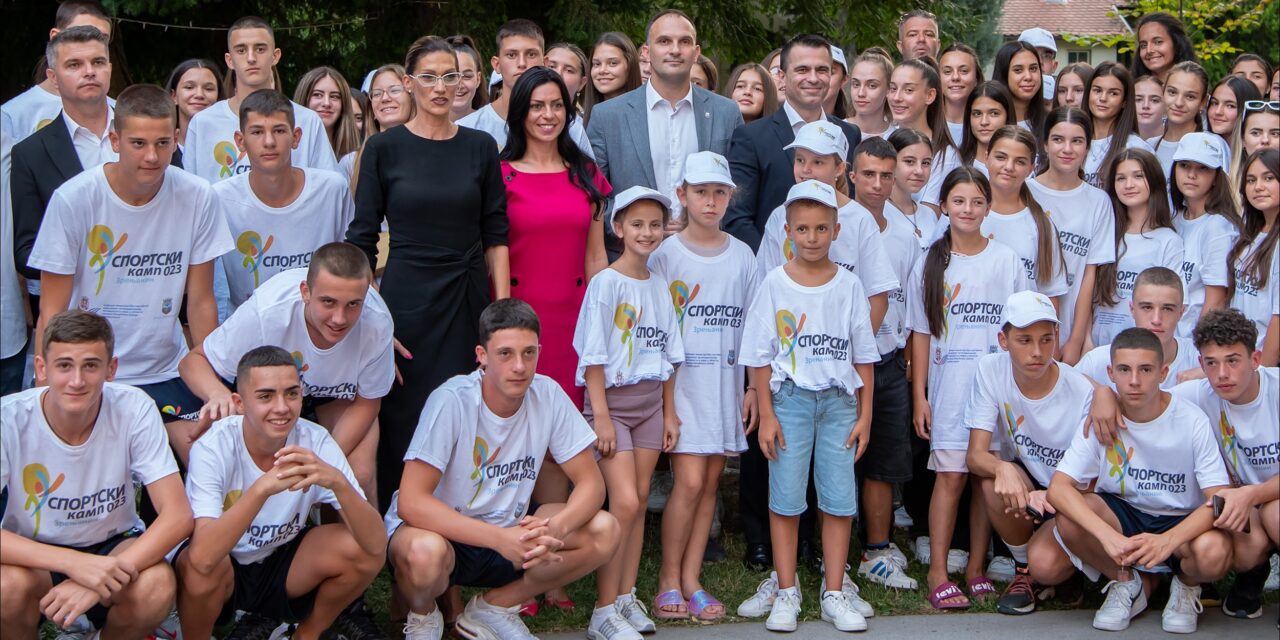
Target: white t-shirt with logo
[361, 364]
[1156, 248]
[1206, 242]
[489, 464]
[629, 327]
[812, 336]
[1257, 303]
[211, 151]
[900, 244]
[222, 470]
[77, 496]
[923, 223]
[130, 262]
[858, 247]
[487, 120]
[1094, 364]
[975, 288]
[943, 164]
[1248, 434]
[1018, 231]
[268, 239]
[710, 296]
[1161, 467]
[1098, 152]
[1086, 228]
[1038, 431]
[28, 112]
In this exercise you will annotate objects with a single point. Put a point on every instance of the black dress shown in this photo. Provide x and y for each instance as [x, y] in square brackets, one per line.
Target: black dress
[444, 204]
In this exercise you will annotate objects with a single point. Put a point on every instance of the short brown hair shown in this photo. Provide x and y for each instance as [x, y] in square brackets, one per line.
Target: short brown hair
[263, 356]
[1137, 338]
[266, 102]
[1225, 327]
[669, 12]
[341, 259]
[69, 11]
[1160, 277]
[250, 22]
[144, 101]
[72, 35]
[520, 27]
[79, 327]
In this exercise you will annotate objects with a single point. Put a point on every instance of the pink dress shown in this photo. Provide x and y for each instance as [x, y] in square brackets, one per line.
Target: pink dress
[549, 222]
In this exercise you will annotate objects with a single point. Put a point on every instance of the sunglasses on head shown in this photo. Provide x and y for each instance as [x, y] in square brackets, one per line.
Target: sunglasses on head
[1262, 105]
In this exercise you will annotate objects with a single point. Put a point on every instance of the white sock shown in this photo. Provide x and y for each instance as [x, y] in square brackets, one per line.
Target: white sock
[625, 598]
[1019, 552]
[603, 612]
[793, 590]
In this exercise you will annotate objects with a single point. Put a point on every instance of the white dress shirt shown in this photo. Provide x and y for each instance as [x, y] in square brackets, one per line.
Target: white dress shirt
[92, 149]
[673, 135]
[796, 121]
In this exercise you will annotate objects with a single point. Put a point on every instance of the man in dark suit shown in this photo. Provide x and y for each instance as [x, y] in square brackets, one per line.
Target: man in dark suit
[760, 166]
[763, 171]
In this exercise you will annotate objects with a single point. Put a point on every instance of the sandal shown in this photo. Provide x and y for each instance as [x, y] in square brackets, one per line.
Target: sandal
[946, 591]
[529, 609]
[700, 602]
[552, 603]
[670, 605]
[981, 588]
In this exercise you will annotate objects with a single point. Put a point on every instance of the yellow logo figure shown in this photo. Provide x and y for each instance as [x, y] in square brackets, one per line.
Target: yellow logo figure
[226, 155]
[480, 454]
[102, 246]
[1230, 444]
[35, 481]
[230, 499]
[788, 250]
[949, 295]
[627, 318]
[1011, 422]
[251, 245]
[171, 410]
[681, 296]
[788, 331]
[299, 362]
[1119, 458]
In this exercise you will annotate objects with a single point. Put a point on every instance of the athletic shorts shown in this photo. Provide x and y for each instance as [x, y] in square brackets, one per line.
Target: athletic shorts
[1134, 521]
[636, 412]
[888, 455]
[174, 399]
[98, 613]
[260, 586]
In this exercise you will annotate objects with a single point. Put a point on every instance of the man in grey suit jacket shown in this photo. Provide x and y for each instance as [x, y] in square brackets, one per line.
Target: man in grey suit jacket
[643, 136]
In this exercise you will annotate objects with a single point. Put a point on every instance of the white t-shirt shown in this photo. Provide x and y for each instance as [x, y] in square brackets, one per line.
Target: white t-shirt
[269, 240]
[1206, 242]
[82, 495]
[1257, 303]
[1038, 431]
[922, 223]
[900, 244]
[1158, 248]
[492, 479]
[222, 470]
[1098, 152]
[347, 165]
[976, 288]
[709, 295]
[211, 151]
[629, 327]
[1094, 364]
[1018, 231]
[1249, 436]
[1161, 467]
[362, 363]
[1164, 151]
[810, 335]
[487, 120]
[943, 164]
[13, 320]
[857, 247]
[28, 112]
[130, 263]
[1086, 228]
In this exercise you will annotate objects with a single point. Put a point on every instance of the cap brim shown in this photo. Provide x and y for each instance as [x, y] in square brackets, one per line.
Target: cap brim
[709, 178]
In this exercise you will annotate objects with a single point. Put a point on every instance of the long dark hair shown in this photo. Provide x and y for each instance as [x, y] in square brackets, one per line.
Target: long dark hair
[1182, 47]
[1198, 71]
[1127, 120]
[581, 169]
[1068, 115]
[994, 90]
[939, 255]
[464, 45]
[1004, 60]
[1048, 251]
[936, 113]
[1105, 284]
[1256, 267]
[1078, 69]
[1219, 200]
[623, 43]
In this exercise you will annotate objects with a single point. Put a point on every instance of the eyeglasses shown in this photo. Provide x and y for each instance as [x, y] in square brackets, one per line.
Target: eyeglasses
[392, 92]
[427, 80]
[1260, 105]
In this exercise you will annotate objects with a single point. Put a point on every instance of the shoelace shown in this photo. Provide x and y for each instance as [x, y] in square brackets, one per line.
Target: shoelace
[1116, 596]
[1186, 599]
[423, 624]
[1022, 585]
[633, 603]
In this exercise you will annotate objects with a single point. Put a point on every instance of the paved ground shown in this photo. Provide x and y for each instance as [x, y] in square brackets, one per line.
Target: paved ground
[1046, 625]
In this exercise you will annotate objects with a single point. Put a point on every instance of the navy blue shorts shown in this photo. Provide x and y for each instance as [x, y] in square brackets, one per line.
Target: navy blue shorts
[1134, 521]
[174, 399]
[481, 567]
[259, 587]
[97, 614]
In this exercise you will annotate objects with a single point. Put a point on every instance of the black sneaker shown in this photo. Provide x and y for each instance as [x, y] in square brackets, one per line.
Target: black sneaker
[714, 552]
[1019, 598]
[355, 623]
[1245, 598]
[252, 626]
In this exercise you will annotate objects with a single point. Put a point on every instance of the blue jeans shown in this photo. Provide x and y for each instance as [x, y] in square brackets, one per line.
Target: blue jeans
[815, 425]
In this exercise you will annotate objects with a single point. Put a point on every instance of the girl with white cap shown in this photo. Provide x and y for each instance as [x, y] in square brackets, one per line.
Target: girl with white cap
[1205, 217]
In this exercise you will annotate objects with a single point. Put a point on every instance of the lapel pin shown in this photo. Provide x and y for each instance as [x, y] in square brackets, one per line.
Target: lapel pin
[706, 114]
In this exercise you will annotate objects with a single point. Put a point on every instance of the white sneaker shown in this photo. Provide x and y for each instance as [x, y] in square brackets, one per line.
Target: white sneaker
[608, 624]
[761, 601]
[851, 595]
[837, 610]
[922, 550]
[1124, 601]
[957, 560]
[170, 629]
[1183, 609]
[897, 555]
[786, 608]
[881, 568]
[901, 519]
[1273, 580]
[81, 629]
[483, 621]
[634, 612]
[424, 626]
[1001, 569]
[660, 485]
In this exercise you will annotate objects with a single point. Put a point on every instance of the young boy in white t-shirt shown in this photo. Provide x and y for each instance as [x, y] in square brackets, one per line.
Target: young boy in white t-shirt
[1023, 399]
[338, 329]
[278, 213]
[464, 513]
[810, 351]
[128, 240]
[72, 542]
[1146, 507]
[1243, 400]
[252, 482]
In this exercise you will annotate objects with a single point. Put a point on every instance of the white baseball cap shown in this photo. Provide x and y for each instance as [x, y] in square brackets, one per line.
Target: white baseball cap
[707, 167]
[823, 138]
[1039, 38]
[1205, 148]
[635, 194]
[837, 54]
[1026, 308]
[819, 192]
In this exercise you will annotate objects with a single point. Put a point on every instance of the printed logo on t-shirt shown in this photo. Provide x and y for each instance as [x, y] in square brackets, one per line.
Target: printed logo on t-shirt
[789, 334]
[1146, 481]
[35, 481]
[681, 296]
[949, 295]
[788, 250]
[139, 268]
[626, 317]
[1229, 441]
[1118, 457]
[254, 249]
[1245, 284]
[102, 247]
[40, 498]
[230, 499]
[300, 362]
[1074, 243]
[713, 316]
[341, 390]
[1026, 445]
[480, 454]
[269, 535]
[505, 475]
[228, 158]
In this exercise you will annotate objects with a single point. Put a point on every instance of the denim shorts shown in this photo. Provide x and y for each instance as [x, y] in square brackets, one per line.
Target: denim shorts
[815, 425]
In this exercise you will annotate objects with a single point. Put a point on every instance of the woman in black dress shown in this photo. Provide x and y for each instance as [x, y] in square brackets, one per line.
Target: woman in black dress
[439, 189]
